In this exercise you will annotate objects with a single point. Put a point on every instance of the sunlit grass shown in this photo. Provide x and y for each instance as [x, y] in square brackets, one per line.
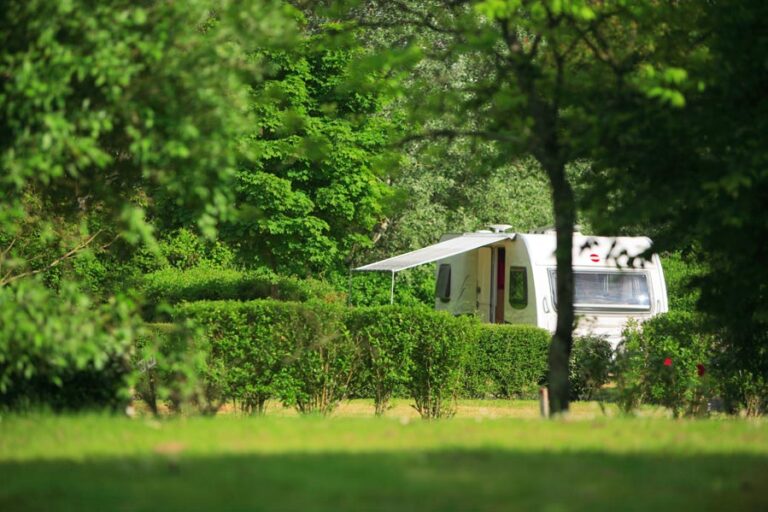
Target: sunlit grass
[494, 455]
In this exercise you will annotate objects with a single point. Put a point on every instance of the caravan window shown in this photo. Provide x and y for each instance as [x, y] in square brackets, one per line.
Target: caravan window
[608, 290]
[443, 289]
[518, 287]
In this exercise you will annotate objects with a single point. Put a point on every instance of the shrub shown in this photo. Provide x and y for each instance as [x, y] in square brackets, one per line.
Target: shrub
[173, 285]
[174, 364]
[629, 368]
[298, 352]
[665, 362]
[742, 385]
[590, 366]
[507, 361]
[676, 351]
[185, 249]
[441, 344]
[386, 340]
[60, 350]
[324, 362]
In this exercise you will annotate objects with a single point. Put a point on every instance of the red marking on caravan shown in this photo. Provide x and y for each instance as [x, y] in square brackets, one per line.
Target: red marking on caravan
[594, 257]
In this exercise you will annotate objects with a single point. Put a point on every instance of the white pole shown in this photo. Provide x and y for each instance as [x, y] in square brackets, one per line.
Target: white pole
[392, 290]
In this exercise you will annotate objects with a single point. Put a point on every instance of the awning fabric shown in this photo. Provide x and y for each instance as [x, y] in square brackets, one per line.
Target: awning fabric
[446, 249]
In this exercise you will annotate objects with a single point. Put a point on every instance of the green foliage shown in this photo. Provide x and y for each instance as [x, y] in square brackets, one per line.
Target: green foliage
[508, 361]
[386, 339]
[184, 249]
[205, 283]
[629, 368]
[61, 350]
[591, 359]
[106, 98]
[441, 346]
[414, 286]
[324, 362]
[309, 190]
[300, 353]
[680, 273]
[250, 344]
[173, 365]
[742, 386]
[695, 178]
[666, 361]
[311, 355]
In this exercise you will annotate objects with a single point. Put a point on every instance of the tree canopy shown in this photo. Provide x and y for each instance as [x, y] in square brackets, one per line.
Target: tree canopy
[305, 137]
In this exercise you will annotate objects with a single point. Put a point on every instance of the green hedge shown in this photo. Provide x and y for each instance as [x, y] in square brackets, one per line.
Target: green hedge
[300, 353]
[508, 361]
[173, 285]
[414, 350]
[312, 355]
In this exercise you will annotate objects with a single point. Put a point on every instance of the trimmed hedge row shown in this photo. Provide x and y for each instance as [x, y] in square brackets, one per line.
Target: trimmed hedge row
[415, 349]
[508, 361]
[174, 285]
[312, 355]
[300, 353]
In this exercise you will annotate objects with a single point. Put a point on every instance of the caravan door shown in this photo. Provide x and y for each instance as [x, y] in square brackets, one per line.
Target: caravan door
[491, 284]
[484, 280]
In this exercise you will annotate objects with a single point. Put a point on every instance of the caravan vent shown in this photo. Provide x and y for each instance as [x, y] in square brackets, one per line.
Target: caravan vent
[499, 228]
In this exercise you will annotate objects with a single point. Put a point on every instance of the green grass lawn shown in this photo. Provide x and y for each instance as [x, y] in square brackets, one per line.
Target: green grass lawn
[347, 462]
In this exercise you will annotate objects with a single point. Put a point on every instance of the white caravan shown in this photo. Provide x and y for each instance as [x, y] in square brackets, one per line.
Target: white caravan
[510, 278]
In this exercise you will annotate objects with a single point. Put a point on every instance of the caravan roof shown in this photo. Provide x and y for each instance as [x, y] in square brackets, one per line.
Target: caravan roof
[590, 250]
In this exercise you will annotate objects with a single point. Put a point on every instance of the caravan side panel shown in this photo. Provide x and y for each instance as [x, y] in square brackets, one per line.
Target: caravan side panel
[463, 284]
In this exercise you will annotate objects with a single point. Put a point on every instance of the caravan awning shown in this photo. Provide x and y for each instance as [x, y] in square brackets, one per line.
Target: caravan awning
[446, 249]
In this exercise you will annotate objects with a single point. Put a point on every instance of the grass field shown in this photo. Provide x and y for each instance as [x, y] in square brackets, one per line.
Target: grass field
[494, 456]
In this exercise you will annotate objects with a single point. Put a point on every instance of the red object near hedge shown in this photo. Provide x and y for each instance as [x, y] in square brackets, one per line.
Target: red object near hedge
[668, 362]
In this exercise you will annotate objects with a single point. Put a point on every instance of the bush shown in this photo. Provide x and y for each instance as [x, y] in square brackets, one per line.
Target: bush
[62, 351]
[173, 285]
[665, 362]
[185, 249]
[508, 361]
[590, 366]
[300, 353]
[325, 360]
[386, 339]
[743, 386]
[173, 363]
[629, 368]
[441, 344]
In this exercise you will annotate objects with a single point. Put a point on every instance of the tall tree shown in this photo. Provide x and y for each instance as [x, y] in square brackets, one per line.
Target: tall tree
[103, 106]
[308, 189]
[697, 173]
[535, 70]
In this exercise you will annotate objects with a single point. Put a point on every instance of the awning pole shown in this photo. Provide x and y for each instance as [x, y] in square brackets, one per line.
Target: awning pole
[392, 290]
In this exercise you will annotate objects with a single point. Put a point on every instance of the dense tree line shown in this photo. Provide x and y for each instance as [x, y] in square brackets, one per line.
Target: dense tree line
[303, 138]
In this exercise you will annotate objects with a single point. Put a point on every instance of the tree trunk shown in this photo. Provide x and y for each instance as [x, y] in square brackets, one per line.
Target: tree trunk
[560, 349]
